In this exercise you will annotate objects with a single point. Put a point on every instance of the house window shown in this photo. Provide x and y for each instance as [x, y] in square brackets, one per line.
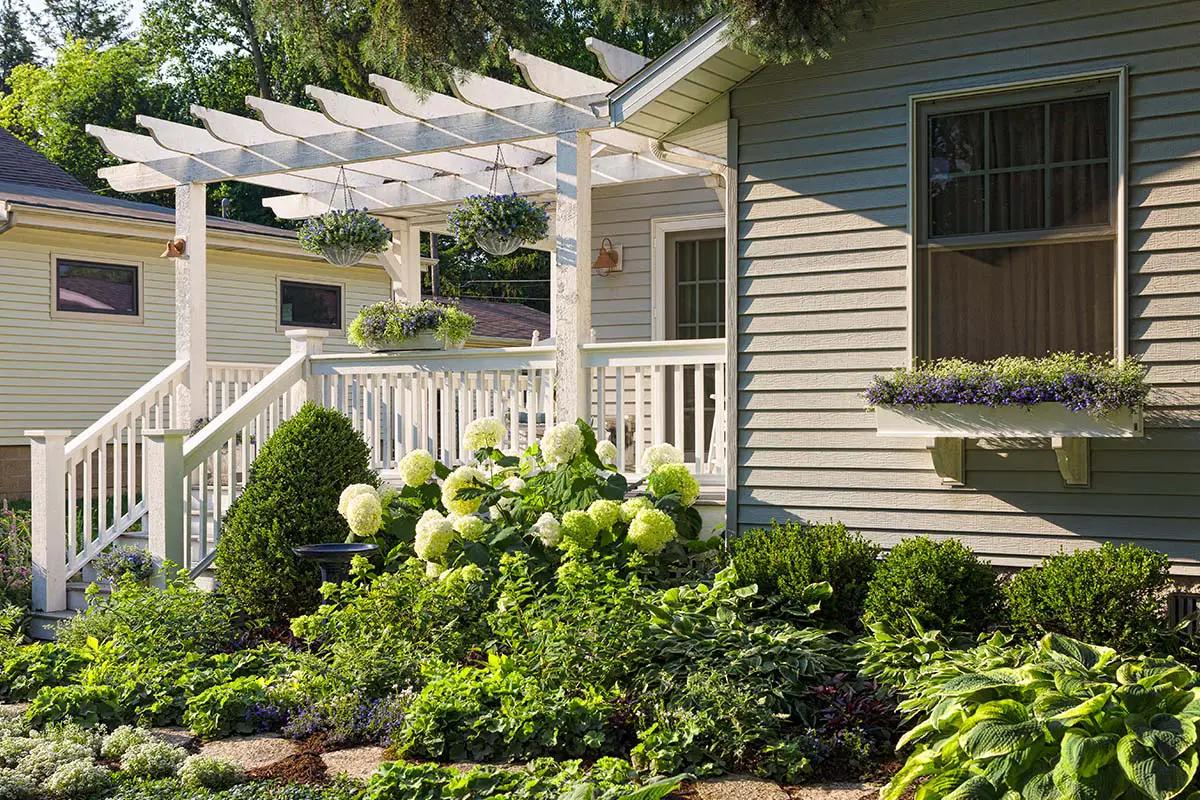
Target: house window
[310, 305]
[91, 288]
[1017, 233]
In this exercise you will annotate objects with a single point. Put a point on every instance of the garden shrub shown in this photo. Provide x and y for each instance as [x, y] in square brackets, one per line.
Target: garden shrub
[244, 705]
[1115, 594]
[85, 704]
[201, 772]
[154, 759]
[1071, 720]
[940, 585]
[27, 669]
[290, 499]
[783, 560]
[79, 780]
[16, 572]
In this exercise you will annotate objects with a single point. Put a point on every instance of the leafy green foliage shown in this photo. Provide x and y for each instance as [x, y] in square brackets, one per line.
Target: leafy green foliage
[350, 227]
[784, 560]
[87, 704]
[1114, 594]
[290, 499]
[940, 585]
[230, 708]
[1068, 719]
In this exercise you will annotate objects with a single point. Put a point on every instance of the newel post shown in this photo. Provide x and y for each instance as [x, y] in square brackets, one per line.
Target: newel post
[48, 472]
[308, 342]
[572, 273]
[166, 500]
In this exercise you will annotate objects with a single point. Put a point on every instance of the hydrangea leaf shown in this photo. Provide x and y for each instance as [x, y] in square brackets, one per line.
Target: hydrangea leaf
[1156, 778]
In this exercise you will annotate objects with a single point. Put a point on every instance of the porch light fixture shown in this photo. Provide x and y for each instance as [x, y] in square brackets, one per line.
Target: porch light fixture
[608, 260]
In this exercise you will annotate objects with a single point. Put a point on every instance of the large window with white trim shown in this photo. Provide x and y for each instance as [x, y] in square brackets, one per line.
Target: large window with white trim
[310, 305]
[91, 287]
[1016, 230]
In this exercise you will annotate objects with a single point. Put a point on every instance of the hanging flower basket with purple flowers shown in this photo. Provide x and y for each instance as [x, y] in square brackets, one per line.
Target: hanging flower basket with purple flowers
[1064, 394]
[344, 237]
[499, 223]
[427, 325]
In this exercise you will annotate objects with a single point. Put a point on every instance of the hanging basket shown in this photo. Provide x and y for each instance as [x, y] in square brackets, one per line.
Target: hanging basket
[343, 255]
[495, 243]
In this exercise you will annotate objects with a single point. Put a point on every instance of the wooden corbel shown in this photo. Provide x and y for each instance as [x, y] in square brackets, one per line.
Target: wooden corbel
[1074, 454]
[949, 459]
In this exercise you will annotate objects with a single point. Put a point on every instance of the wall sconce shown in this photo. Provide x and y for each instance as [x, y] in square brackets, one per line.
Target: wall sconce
[608, 260]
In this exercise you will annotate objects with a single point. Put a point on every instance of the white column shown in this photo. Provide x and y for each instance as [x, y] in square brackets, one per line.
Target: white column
[310, 342]
[48, 492]
[166, 511]
[572, 272]
[553, 292]
[403, 263]
[191, 280]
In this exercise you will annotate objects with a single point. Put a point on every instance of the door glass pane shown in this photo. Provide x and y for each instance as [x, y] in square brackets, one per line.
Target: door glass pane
[1016, 136]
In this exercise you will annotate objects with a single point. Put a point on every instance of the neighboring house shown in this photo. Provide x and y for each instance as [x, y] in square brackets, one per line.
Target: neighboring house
[87, 314]
[970, 179]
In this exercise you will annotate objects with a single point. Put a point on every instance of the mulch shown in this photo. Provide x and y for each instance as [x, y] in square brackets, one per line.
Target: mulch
[299, 768]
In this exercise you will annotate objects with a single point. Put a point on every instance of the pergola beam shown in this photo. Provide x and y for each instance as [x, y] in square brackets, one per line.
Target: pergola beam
[556, 80]
[617, 63]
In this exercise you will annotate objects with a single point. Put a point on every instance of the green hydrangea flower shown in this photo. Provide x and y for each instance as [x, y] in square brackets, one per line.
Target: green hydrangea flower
[579, 530]
[651, 531]
[631, 507]
[605, 513]
[416, 468]
[674, 479]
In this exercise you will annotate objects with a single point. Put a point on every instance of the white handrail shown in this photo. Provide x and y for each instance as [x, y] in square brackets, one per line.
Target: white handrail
[127, 406]
[661, 353]
[541, 357]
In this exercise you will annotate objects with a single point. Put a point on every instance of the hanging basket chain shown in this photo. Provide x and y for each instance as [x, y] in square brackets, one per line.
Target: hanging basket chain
[497, 166]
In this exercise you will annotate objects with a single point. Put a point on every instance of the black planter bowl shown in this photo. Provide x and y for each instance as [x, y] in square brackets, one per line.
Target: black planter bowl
[333, 558]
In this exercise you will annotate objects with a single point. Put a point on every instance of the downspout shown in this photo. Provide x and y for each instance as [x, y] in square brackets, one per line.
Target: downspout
[8, 217]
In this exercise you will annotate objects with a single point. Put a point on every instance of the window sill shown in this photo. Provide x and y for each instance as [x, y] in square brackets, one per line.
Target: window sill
[947, 426]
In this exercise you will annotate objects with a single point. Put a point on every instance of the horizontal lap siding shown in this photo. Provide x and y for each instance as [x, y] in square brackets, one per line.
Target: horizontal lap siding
[65, 373]
[621, 301]
[822, 219]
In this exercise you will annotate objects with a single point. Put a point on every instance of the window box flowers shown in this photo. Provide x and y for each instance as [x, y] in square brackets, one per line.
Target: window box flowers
[499, 223]
[427, 325]
[344, 237]
[1062, 395]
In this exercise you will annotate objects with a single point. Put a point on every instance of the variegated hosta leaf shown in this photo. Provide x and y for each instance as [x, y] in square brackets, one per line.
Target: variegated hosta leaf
[1069, 684]
[966, 685]
[999, 728]
[1040, 786]
[919, 765]
[1138, 699]
[1013, 769]
[1083, 755]
[1093, 705]
[1190, 705]
[976, 787]
[923, 729]
[1047, 704]
[1064, 648]
[1106, 784]
[1166, 735]
[1156, 778]
[942, 784]
[1163, 672]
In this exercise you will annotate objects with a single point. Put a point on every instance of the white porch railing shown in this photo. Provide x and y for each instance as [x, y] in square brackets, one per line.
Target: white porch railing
[638, 393]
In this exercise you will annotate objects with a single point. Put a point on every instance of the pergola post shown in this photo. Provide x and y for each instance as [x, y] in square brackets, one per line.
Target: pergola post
[191, 279]
[402, 260]
[572, 272]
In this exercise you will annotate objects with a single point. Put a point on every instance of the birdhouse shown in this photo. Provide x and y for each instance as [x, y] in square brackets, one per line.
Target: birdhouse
[175, 248]
[608, 260]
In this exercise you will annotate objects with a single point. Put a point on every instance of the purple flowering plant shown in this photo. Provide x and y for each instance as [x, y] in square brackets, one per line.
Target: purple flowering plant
[125, 563]
[351, 227]
[15, 563]
[1082, 382]
[510, 216]
[388, 324]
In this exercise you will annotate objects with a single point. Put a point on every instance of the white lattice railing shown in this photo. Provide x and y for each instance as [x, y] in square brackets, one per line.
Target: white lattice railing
[408, 400]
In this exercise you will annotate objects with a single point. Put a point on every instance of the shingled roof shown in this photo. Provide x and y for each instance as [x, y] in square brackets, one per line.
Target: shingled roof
[505, 320]
[20, 163]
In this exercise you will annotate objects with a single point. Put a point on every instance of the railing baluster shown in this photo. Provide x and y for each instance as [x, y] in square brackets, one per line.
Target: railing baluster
[619, 433]
[639, 417]
[698, 398]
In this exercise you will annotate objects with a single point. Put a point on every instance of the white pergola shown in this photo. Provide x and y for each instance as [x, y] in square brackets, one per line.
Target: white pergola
[408, 160]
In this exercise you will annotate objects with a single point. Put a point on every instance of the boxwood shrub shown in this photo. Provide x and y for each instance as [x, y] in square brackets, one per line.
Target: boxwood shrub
[942, 585]
[1115, 594]
[290, 499]
[784, 559]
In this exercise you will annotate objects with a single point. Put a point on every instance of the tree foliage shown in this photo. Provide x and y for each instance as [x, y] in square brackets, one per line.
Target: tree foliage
[99, 22]
[15, 46]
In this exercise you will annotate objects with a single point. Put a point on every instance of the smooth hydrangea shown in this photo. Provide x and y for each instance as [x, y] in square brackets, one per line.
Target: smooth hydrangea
[659, 455]
[606, 451]
[202, 772]
[458, 480]
[562, 443]
[352, 491]
[114, 745]
[152, 760]
[416, 468]
[605, 513]
[674, 479]
[364, 515]
[579, 530]
[433, 569]
[516, 486]
[434, 535]
[78, 780]
[548, 530]
[631, 507]
[651, 531]
[471, 528]
[483, 432]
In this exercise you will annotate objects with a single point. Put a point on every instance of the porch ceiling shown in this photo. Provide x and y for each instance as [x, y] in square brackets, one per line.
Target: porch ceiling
[411, 156]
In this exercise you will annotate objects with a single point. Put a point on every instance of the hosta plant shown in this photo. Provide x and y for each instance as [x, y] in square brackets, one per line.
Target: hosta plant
[1070, 721]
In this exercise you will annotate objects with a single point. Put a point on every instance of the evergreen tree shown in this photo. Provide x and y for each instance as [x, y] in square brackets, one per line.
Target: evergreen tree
[15, 47]
[99, 22]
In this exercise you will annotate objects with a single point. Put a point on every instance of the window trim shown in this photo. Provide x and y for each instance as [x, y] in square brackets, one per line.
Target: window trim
[98, 316]
[985, 95]
[282, 327]
[660, 227]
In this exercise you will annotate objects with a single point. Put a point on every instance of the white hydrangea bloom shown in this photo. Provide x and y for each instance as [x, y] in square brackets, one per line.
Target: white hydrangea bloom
[562, 443]
[651, 530]
[416, 468]
[460, 479]
[548, 530]
[433, 569]
[606, 451]
[515, 485]
[352, 491]
[494, 513]
[659, 455]
[483, 432]
[364, 515]
[631, 507]
[471, 528]
[605, 513]
[434, 535]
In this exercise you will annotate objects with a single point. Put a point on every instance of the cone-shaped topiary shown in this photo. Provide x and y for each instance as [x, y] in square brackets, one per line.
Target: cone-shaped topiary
[291, 499]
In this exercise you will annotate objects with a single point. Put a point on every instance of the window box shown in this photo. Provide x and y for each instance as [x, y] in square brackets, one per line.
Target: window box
[1041, 420]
